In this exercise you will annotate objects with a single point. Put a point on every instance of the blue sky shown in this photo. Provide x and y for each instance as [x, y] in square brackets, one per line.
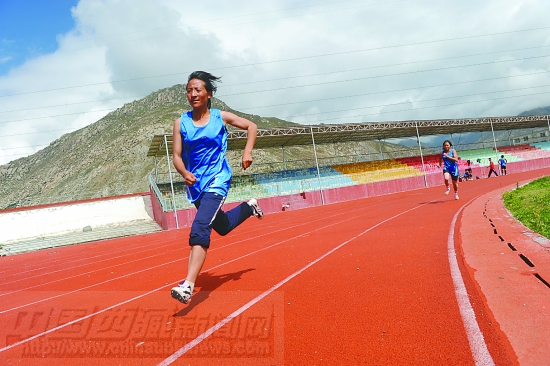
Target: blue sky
[28, 28]
[66, 64]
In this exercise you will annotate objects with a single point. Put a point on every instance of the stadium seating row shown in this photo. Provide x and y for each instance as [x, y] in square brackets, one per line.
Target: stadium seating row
[287, 182]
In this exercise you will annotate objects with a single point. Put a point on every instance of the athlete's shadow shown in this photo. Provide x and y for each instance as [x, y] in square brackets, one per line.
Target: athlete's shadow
[209, 283]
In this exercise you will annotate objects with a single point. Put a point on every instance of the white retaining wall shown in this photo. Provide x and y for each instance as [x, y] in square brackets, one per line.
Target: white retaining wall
[68, 218]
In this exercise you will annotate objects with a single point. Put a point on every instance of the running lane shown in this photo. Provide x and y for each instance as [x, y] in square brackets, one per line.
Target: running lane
[362, 282]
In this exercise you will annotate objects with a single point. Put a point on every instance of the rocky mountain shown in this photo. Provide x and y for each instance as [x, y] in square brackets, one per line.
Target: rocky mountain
[109, 157]
[537, 111]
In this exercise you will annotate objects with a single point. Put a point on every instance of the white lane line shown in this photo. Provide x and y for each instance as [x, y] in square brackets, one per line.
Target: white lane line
[87, 287]
[170, 262]
[105, 260]
[89, 272]
[163, 287]
[481, 354]
[115, 265]
[69, 259]
[77, 320]
[128, 251]
[246, 306]
[156, 249]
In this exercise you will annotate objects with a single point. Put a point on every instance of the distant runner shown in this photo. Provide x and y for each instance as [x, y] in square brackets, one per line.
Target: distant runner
[449, 157]
[200, 143]
[502, 162]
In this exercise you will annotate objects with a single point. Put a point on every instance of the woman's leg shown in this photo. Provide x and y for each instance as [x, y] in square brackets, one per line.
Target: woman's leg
[455, 186]
[197, 256]
[208, 208]
[199, 240]
[227, 221]
[447, 177]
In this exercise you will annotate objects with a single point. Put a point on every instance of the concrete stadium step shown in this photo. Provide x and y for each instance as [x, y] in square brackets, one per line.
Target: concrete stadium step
[78, 238]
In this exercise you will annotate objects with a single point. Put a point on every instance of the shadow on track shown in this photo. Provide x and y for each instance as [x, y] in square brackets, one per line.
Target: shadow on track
[210, 283]
[432, 202]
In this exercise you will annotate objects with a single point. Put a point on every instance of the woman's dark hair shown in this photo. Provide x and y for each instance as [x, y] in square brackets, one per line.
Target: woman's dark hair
[450, 143]
[209, 81]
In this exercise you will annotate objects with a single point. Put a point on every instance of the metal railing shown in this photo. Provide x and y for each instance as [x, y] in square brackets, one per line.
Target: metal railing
[157, 192]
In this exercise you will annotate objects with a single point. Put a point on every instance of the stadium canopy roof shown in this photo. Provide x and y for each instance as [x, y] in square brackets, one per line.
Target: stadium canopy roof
[328, 134]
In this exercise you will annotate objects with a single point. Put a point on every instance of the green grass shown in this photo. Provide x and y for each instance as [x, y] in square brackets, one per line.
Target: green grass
[530, 204]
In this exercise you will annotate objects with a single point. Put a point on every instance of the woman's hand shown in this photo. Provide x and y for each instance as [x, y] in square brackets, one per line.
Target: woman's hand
[247, 160]
[189, 177]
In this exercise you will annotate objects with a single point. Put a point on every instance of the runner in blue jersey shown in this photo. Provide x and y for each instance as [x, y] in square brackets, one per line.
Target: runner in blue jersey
[502, 162]
[450, 169]
[199, 146]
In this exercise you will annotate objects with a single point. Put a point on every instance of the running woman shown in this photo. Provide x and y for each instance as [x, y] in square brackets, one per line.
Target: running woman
[200, 143]
[502, 162]
[450, 169]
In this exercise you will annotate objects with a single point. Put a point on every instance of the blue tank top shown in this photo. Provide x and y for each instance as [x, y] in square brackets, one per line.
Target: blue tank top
[450, 165]
[203, 153]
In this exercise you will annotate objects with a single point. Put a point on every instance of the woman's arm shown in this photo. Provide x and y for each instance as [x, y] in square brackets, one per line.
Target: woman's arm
[243, 124]
[448, 156]
[176, 155]
[454, 157]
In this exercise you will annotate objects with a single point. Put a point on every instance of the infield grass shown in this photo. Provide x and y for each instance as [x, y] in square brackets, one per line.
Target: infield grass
[530, 204]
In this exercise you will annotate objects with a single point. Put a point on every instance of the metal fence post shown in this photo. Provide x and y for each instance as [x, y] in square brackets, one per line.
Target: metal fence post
[317, 165]
[171, 182]
[421, 156]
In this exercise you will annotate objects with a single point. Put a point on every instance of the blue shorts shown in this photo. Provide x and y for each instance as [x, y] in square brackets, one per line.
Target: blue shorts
[453, 177]
[210, 216]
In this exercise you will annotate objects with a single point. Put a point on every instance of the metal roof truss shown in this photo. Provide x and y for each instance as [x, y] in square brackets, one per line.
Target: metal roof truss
[328, 134]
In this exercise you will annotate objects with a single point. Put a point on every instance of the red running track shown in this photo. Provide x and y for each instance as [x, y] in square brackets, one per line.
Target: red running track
[371, 281]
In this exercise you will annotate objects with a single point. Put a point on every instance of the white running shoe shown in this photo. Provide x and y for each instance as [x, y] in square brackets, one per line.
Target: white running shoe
[456, 196]
[182, 293]
[448, 190]
[256, 210]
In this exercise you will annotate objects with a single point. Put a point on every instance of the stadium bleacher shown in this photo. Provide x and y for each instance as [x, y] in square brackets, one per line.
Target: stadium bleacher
[543, 145]
[526, 151]
[376, 171]
[296, 181]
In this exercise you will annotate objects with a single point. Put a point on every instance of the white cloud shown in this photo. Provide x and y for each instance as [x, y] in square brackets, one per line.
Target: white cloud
[304, 59]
